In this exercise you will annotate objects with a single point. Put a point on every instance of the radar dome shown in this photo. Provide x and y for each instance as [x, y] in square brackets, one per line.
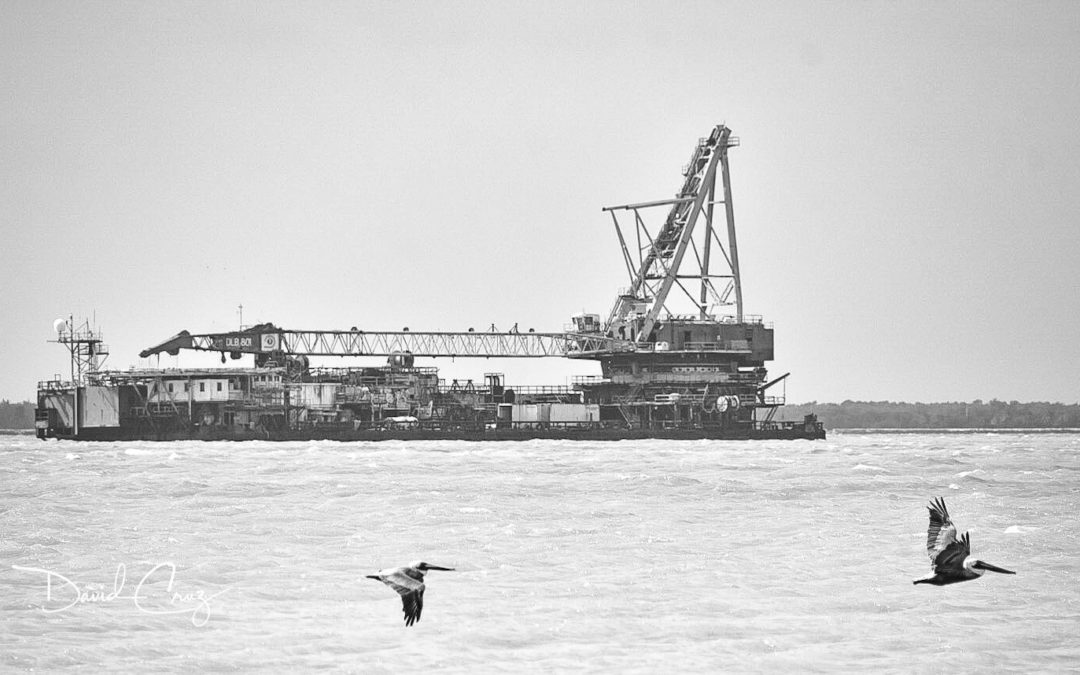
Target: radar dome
[59, 325]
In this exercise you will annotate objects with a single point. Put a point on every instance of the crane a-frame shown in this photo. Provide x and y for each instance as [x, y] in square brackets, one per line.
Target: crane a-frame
[661, 265]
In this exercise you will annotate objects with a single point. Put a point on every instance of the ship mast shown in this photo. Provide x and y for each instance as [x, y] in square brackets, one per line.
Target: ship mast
[85, 346]
[87, 354]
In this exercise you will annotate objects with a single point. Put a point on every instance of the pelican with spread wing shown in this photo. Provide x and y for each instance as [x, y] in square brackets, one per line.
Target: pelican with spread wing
[950, 556]
[409, 583]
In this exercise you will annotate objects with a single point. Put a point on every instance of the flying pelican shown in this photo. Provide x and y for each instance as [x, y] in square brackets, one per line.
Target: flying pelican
[951, 557]
[409, 583]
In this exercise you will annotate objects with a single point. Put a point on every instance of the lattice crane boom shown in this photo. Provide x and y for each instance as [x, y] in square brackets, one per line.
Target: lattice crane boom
[268, 339]
[630, 324]
[661, 257]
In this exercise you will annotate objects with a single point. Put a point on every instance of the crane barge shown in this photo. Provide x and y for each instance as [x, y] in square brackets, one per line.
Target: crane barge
[665, 372]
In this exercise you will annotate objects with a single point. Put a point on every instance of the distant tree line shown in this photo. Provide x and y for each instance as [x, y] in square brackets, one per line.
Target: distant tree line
[16, 415]
[847, 415]
[993, 414]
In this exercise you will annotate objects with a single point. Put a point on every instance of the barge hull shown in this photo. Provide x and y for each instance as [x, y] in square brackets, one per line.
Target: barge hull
[798, 432]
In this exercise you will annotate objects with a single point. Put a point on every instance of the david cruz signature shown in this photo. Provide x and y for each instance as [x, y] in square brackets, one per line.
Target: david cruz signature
[61, 593]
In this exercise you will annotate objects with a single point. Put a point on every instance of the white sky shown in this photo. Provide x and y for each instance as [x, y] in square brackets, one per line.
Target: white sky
[906, 191]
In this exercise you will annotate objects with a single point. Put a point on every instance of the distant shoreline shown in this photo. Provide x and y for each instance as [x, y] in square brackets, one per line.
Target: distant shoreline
[865, 416]
[959, 431]
[993, 415]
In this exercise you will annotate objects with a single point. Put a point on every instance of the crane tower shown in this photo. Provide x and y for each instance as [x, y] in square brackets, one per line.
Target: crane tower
[707, 364]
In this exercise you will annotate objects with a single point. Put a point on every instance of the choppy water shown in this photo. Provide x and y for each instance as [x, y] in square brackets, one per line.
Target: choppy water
[635, 556]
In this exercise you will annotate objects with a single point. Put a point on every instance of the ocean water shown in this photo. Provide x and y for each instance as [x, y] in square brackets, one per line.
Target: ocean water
[652, 556]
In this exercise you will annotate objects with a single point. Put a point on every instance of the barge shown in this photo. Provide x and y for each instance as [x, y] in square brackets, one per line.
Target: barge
[664, 373]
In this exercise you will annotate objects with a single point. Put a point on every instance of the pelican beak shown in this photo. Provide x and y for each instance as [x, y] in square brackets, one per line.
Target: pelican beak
[441, 569]
[990, 568]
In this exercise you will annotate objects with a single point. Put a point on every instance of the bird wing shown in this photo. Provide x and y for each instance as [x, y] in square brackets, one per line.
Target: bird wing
[951, 558]
[404, 580]
[401, 581]
[942, 533]
[412, 604]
